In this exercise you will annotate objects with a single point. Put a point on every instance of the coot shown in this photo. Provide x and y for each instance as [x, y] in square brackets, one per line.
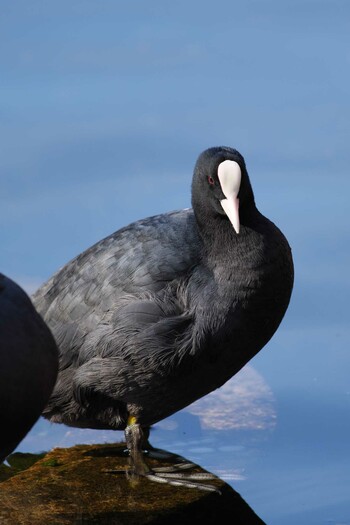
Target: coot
[28, 365]
[167, 309]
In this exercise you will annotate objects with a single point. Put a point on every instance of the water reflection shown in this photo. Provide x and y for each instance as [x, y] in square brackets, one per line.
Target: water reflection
[244, 402]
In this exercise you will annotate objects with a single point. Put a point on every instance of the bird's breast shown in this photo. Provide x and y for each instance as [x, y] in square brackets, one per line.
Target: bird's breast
[246, 298]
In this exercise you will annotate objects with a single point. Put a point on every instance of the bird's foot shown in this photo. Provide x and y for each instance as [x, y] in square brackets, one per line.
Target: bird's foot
[171, 475]
[174, 475]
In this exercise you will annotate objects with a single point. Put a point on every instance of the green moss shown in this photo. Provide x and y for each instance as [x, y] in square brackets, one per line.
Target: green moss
[17, 463]
[52, 462]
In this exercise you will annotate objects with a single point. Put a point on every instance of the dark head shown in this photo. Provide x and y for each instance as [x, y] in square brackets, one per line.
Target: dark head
[221, 185]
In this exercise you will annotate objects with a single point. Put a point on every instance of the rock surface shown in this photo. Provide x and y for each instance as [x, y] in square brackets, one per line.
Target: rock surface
[71, 486]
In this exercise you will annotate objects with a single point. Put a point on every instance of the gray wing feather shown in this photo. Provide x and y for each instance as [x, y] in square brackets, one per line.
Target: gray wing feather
[126, 286]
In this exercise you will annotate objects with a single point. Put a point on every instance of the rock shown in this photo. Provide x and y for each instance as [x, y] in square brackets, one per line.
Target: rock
[71, 486]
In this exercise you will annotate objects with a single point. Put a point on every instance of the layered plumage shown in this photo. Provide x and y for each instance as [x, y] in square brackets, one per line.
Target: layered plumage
[168, 308]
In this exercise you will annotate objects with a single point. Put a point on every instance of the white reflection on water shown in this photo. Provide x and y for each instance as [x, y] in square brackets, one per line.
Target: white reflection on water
[244, 402]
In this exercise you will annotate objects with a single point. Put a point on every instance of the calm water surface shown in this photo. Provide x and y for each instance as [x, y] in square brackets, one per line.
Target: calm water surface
[105, 108]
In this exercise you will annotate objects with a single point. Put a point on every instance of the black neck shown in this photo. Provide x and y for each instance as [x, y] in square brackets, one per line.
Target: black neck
[218, 234]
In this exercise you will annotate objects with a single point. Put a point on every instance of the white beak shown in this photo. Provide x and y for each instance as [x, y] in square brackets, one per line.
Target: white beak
[231, 207]
[229, 174]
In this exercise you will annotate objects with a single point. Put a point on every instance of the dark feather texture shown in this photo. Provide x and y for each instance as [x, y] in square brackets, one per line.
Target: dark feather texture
[28, 365]
[167, 309]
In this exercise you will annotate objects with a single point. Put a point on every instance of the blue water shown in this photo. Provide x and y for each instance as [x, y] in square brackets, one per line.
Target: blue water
[104, 108]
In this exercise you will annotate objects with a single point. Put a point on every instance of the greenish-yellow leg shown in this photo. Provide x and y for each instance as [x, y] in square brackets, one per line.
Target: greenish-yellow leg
[136, 437]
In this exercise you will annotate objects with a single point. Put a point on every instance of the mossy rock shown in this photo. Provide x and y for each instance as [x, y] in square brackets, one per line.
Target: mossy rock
[71, 486]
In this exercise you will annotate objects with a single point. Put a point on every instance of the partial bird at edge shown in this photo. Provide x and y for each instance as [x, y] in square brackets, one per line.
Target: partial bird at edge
[28, 365]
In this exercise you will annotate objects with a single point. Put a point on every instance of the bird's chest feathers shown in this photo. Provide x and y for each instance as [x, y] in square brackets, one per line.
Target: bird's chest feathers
[245, 296]
[242, 274]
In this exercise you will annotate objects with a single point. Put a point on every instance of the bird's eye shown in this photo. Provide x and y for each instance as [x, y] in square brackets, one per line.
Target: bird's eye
[211, 181]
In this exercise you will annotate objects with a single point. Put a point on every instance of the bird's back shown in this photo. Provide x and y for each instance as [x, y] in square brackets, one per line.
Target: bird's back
[140, 259]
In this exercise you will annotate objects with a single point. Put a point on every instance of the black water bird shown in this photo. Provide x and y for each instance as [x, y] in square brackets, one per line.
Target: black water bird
[28, 365]
[167, 309]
